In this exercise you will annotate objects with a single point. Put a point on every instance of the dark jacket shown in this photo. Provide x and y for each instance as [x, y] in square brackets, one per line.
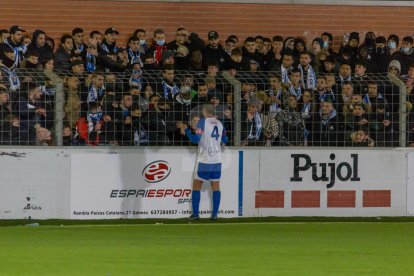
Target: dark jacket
[161, 128]
[62, 62]
[404, 59]
[217, 54]
[43, 51]
[327, 132]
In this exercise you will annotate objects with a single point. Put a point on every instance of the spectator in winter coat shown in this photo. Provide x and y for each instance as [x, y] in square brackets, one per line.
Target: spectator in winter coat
[39, 45]
[62, 55]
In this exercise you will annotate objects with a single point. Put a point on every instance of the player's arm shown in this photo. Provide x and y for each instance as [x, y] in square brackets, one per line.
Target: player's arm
[194, 138]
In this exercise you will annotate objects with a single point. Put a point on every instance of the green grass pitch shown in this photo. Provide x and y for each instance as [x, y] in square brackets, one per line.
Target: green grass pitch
[283, 248]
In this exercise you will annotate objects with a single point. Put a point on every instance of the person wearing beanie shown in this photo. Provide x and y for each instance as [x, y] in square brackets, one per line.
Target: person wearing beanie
[288, 45]
[393, 43]
[327, 43]
[394, 68]
[354, 42]
[317, 46]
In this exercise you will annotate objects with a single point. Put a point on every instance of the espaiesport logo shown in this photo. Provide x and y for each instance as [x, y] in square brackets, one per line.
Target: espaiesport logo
[156, 171]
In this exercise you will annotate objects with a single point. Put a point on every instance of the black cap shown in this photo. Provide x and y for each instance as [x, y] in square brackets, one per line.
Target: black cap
[76, 62]
[381, 40]
[111, 30]
[15, 29]
[354, 35]
[213, 35]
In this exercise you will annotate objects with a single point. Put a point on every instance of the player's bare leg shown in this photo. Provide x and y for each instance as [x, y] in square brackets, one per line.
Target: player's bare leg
[197, 185]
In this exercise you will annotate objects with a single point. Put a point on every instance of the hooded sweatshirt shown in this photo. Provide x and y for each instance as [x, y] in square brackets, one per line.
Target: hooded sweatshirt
[43, 51]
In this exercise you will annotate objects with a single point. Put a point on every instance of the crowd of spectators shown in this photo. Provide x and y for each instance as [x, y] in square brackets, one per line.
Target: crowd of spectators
[293, 93]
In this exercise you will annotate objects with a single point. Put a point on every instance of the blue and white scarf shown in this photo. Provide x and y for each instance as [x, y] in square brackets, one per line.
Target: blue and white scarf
[135, 57]
[285, 74]
[47, 91]
[106, 49]
[297, 92]
[326, 120]
[92, 119]
[326, 94]
[12, 77]
[258, 124]
[169, 90]
[368, 101]
[81, 48]
[18, 53]
[95, 93]
[275, 107]
[140, 136]
[306, 110]
[90, 63]
[349, 78]
[310, 78]
[135, 82]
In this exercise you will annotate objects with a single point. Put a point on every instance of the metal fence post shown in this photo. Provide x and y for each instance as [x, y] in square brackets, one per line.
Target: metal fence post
[403, 109]
[237, 106]
[59, 107]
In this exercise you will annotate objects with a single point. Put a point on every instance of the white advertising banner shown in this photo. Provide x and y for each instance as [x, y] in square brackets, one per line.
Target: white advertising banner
[145, 184]
[331, 183]
[34, 184]
[410, 183]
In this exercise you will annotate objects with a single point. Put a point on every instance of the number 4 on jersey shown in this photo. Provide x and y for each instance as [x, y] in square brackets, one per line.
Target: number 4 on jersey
[215, 133]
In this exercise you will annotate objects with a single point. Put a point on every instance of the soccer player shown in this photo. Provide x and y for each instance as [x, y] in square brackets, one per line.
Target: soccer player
[209, 135]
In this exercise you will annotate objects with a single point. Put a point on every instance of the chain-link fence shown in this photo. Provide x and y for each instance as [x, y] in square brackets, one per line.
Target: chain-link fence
[142, 108]
[329, 110]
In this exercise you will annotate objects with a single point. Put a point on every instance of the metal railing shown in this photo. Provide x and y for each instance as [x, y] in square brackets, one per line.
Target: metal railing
[142, 108]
